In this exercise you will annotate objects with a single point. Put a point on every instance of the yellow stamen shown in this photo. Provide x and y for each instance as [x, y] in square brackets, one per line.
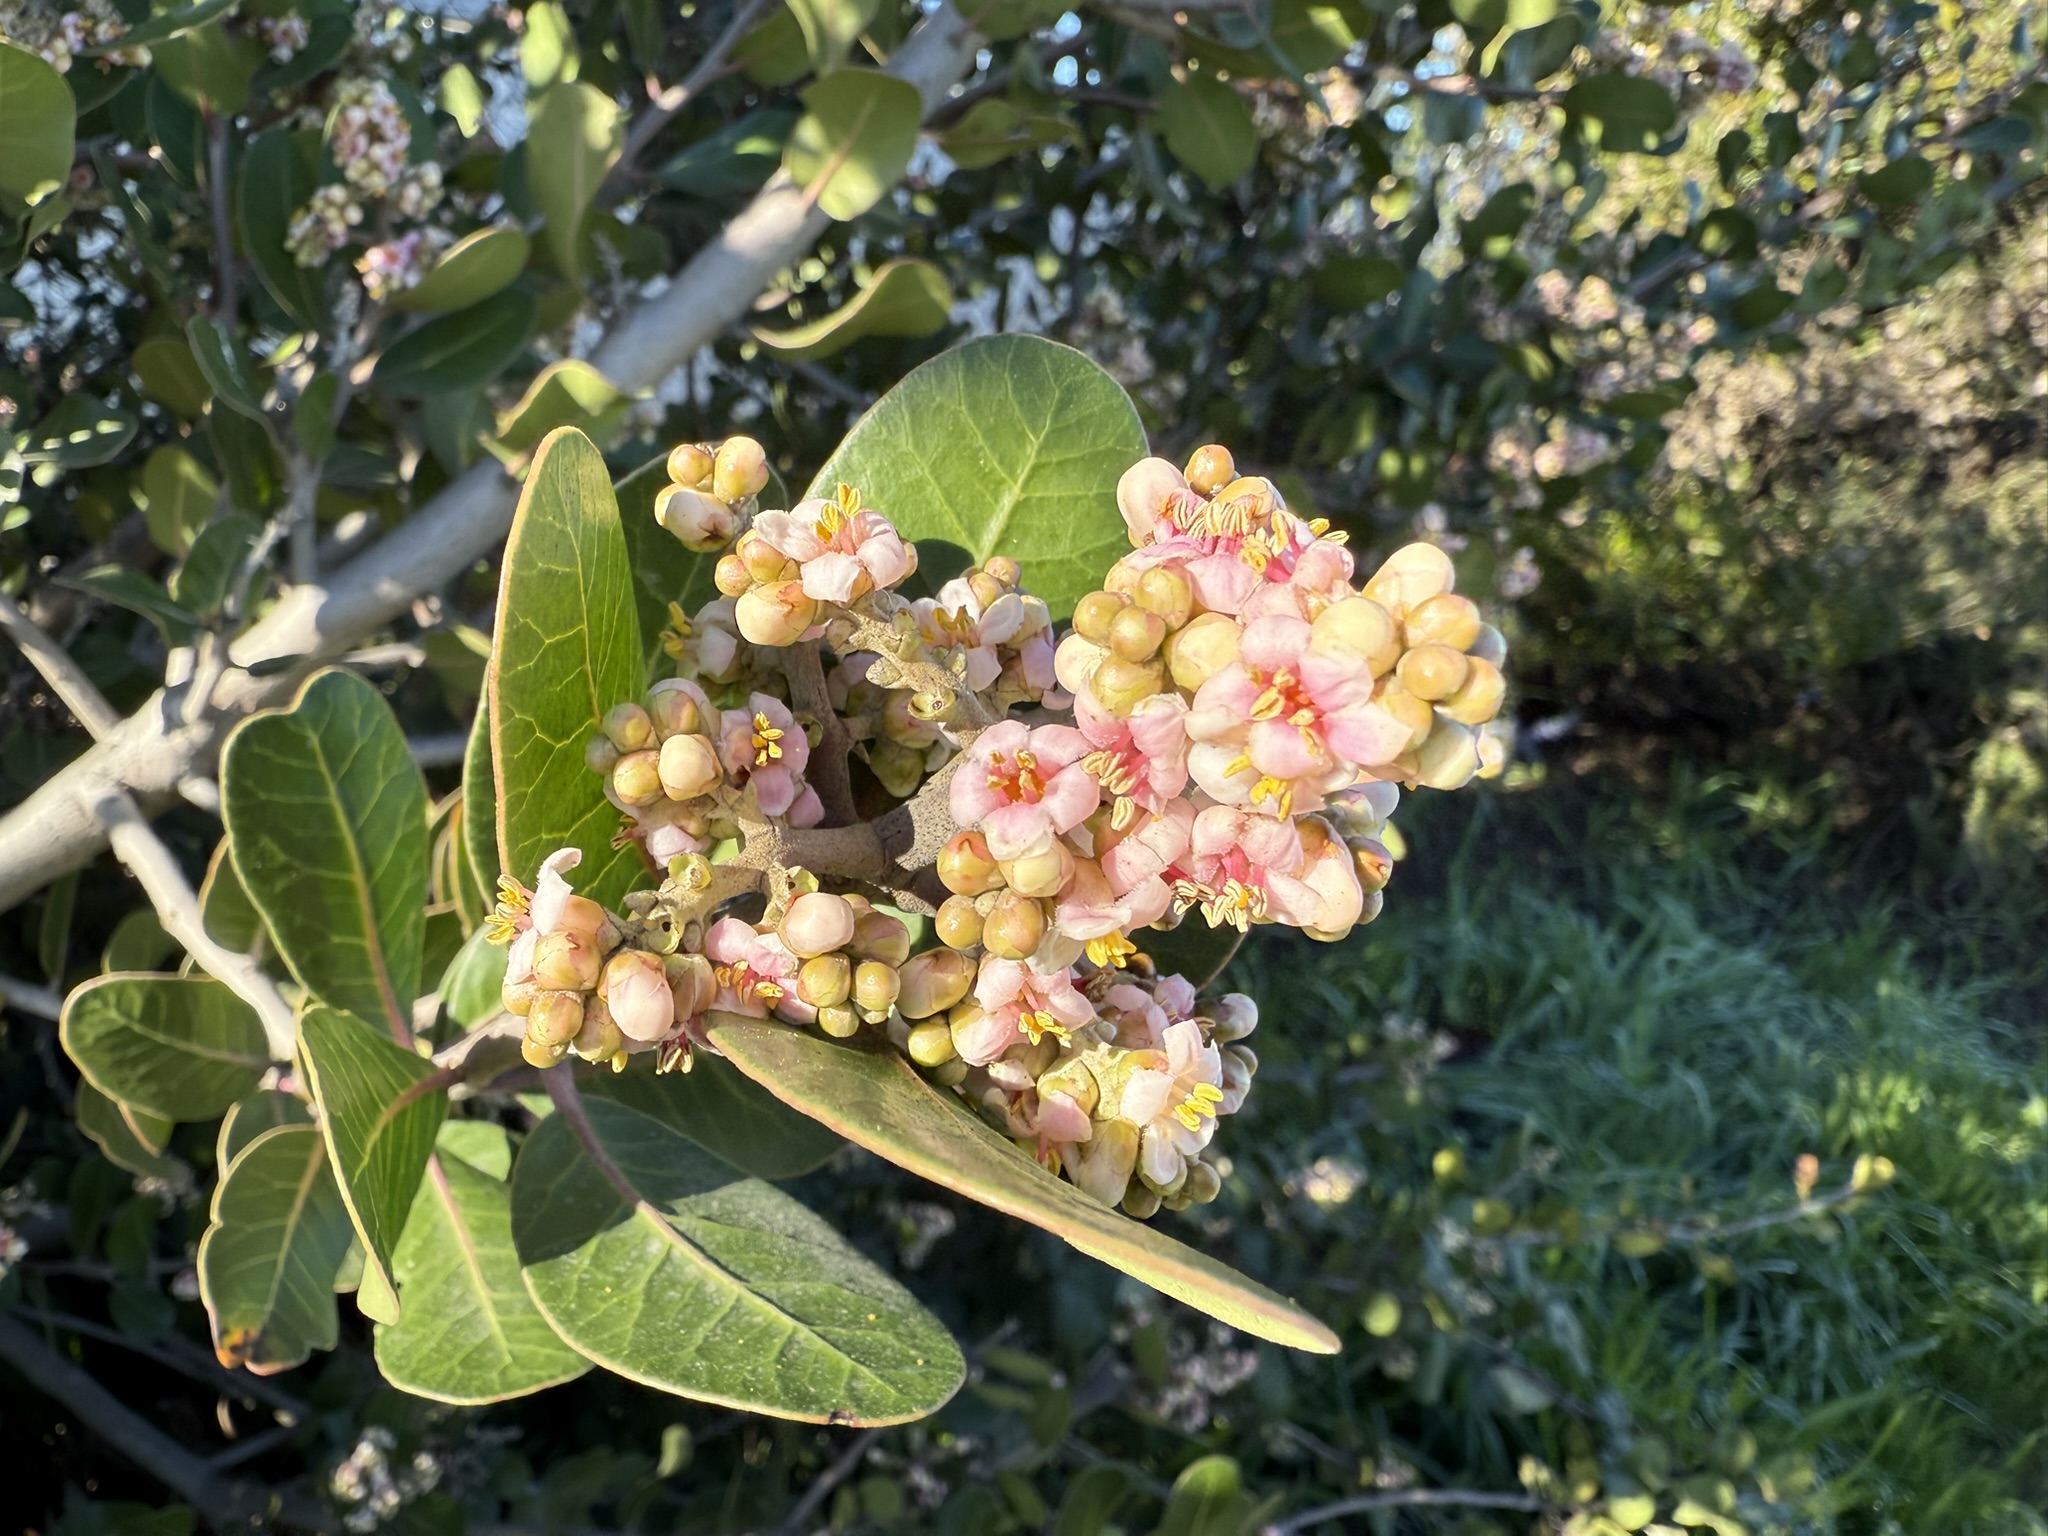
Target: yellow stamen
[502, 926]
[1200, 1104]
[767, 741]
[1276, 790]
[1037, 1024]
[1111, 950]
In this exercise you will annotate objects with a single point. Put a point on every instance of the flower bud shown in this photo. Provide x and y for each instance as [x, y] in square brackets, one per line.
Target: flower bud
[1120, 686]
[1446, 619]
[1136, 634]
[775, 614]
[538, 1054]
[1261, 495]
[1166, 592]
[763, 561]
[1373, 862]
[1210, 469]
[701, 522]
[636, 778]
[1014, 928]
[599, 1040]
[599, 755]
[1005, 570]
[1042, 875]
[1375, 903]
[636, 991]
[730, 575]
[933, 982]
[817, 923]
[1075, 660]
[1235, 1016]
[690, 464]
[1409, 710]
[1359, 627]
[740, 470]
[965, 866]
[566, 961]
[629, 727]
[1094, 614]
[1491, 646]
[1433, 672]
[689, 767]
[875, 987]
[881, 936]
[825, 981]
[839, 1021]
[517, 997]
[1450, 757]
[931, 1043]
[1411, 575]
[1478, 700]
[1140, 1201]
[694, 982]
[899, 768]
[1204, 1183]
[958, 923]
[1203, 648]
[555, 1018]
[673, 708]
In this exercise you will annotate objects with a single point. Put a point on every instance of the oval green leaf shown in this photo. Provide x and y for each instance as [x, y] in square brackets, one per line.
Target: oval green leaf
[264, 1110]
[905, 298]
[458, 351]
[130, 1138]
[1620, 113]
[178, 1047]
[267, 1263]
[469, 1333]
[380, 1106]
[279, 174]
[567, 649]
[327, 820]
[660, 1263]
[854, 142]
[571, 142]
[569, 393]
[481, 263]
[37, 123]
[1005, 445]
[726, 1113]
[876, 1099]
[1209, 129]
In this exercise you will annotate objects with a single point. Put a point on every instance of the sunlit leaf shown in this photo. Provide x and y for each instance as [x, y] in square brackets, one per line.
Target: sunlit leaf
[854, 140]
[178, 1047]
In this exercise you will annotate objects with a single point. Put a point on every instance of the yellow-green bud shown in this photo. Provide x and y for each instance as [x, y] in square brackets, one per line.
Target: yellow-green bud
[958, 923]
[1094, 614]
[1373, 862]
[1491, 646]
[1203, 648]
[1450, 757]
[875, 987]
[965, 867]
[818, 923]
[690, 464]
[740, 470]
[538, 1054]
[933, 982]
[1210, 469]
[1014, 928]
[694, 982]
[600, 1040]
[1166, 592]
[1359, 627]
[516, 997]
[1479, 699]
[1409, 710]
[1140, 1201]
[1446, 619]
[1204, 1183]
[674, 712]
[689, 767]
[731, 576]
[931, 1043]
[599, 755]
[839, 1021]
[1005, 570]
[566, 961]
[825, 981]
[776, 613]
[555, 1018]
[1234, 1015]
[881, 936]
[1411, 575]
[1041, 875]
[899, 768]
[1136, 634]
[1120, 686]
[636, 778]
[629, 727]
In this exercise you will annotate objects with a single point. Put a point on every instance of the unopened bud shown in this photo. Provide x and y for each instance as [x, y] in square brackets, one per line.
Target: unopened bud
[566, 961]
[839, 1021]
[1014, 928]
[599, 1040]
[739, 471]
[689, 767]
[817, 923]
[900, 768]
[1358, 627]
[775, 614]
[1870, 1172]
[730, 575]
[1412, 574]
[1373, 862]
[1257, 494]
[635, 990]
[554, 1018]
[1136, 634]
[986, 589]
[1166, 592]
[1041, 875]
[1204, 1183]
[1004, 570]
[1203, 648]
[1094, 614]
[763, 561]
[931, 1043]
[1210, 469]
[875, 987]
[965, 867]
[1491, 646]
[1140, 1201]
[1120, 686]
[517, 997]
[1478, 700]
[694, 982]
[599, 755]
[1409, 710]
[690, 464]
[1234, 1015]
[1450, 757]
[958, 923]
[701, 522]
[1433, 672]
[636, 778]
[539, 1054]
[674, 711]
[933, 982]
[1375, 902]
[881, 936]
[1446, 619]
[629, 727]
[825, 981]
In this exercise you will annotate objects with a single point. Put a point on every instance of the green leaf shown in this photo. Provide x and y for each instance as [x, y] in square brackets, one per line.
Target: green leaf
[1761, 304]
[209, 66]
[462, 98]
[726, 1113]
[224, 907]
[169, 24]
[480, 802]
[572, 139]
[1005, 445]
[904, 298]
[126, 587]
[380, 1106]
[567, 649]
[80, 431]
[1490, 233]
[736, 160]
[178, 498]
[1208, 1499]
[1726, 234]
[569, 393]
[994, 130]
[1621, 113]
[264, 1110]
[853, 142]
[1209, 129]
[481, 263]
[201, 582]
[1353, 282]
[458, 351]
[327, 817]
[279, 174]
[876, 1099]
[226, 370]
[267, 1263]
[664, 571]
[177, 1047]
[132, 1139]
[469, 1333]
[830, 28]
[37, 123]
[547, 47]
[1194, 950]
[774, 53]
[1902, 181]
[473, 984]
[1092, 1497]
[658, 1262]
[170, 375]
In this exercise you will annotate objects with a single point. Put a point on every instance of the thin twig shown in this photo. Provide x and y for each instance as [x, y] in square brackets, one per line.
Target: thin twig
[40, 1001]
[219, 125]
[182, 1356]
[1406, 1498]
[137, 846]
[64, 676]
[664, 105]
[843, 1466]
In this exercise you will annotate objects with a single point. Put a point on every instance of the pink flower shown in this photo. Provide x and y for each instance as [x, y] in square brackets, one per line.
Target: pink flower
[957, 620]
[1243, 867]
[1140, 759]
[524, 917]
[842, 551]
[1155, 500]
[635, 989]
[1126, 885]
[1283, 726]
[1023, 788]
[763, 746]
[1018, 1003]
[755, 972]
[1174, 1104]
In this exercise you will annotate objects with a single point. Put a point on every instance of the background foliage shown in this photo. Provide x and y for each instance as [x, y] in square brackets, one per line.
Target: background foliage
[1713, 337]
